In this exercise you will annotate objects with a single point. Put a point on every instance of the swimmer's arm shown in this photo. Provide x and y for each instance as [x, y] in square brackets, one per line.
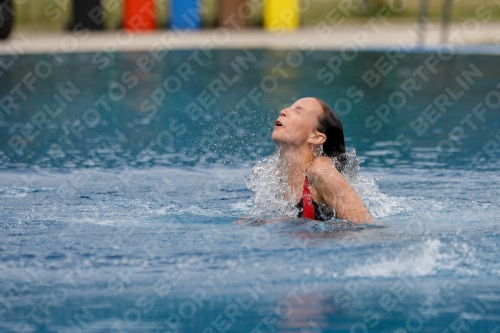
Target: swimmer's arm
[336, 192]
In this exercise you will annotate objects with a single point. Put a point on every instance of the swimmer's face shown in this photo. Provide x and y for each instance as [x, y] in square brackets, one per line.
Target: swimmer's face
[296, 125]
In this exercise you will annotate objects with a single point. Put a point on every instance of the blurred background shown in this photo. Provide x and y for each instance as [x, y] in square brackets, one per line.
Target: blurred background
[60, 14]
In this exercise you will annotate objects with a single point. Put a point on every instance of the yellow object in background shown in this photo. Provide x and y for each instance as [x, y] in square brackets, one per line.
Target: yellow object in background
[281, 14]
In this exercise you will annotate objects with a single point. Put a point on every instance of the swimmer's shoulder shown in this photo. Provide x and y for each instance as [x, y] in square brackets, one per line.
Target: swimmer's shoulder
[321, 168]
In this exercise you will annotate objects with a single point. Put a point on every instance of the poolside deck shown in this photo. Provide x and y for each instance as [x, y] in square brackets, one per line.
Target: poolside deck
[369, 36]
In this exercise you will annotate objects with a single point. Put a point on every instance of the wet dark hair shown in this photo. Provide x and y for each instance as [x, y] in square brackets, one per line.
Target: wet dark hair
[329, 124]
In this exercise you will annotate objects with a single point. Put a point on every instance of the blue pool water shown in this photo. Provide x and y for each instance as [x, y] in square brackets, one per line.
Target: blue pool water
[120, 183]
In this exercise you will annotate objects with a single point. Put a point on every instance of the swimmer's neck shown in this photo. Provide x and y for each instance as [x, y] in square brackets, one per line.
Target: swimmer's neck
[296, 159]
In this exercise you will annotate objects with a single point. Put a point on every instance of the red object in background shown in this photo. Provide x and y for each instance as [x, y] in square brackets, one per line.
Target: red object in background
[139, 15]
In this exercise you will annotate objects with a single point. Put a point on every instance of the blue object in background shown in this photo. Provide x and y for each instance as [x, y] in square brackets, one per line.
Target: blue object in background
[185, 14]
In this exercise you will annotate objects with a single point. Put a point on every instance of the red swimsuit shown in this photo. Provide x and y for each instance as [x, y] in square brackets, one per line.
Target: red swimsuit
[308, 208]
[307, 202]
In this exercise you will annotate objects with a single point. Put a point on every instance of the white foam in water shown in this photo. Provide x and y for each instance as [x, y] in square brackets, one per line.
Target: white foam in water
[379, 204]
[422, 259]
[270, 189]
[164, 210]
[195, 210]
[241, 206]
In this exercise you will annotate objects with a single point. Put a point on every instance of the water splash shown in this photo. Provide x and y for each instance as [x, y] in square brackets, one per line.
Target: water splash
[271, 193]
[420, 259]
[377, 203]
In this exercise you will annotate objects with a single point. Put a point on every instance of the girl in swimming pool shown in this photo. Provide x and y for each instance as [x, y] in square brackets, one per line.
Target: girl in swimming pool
[309, 134]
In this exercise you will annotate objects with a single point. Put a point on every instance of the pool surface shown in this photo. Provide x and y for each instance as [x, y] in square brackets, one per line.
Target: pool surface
[121, 175]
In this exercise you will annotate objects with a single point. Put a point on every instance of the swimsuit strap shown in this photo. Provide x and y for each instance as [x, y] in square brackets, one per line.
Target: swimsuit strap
[307, 201]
